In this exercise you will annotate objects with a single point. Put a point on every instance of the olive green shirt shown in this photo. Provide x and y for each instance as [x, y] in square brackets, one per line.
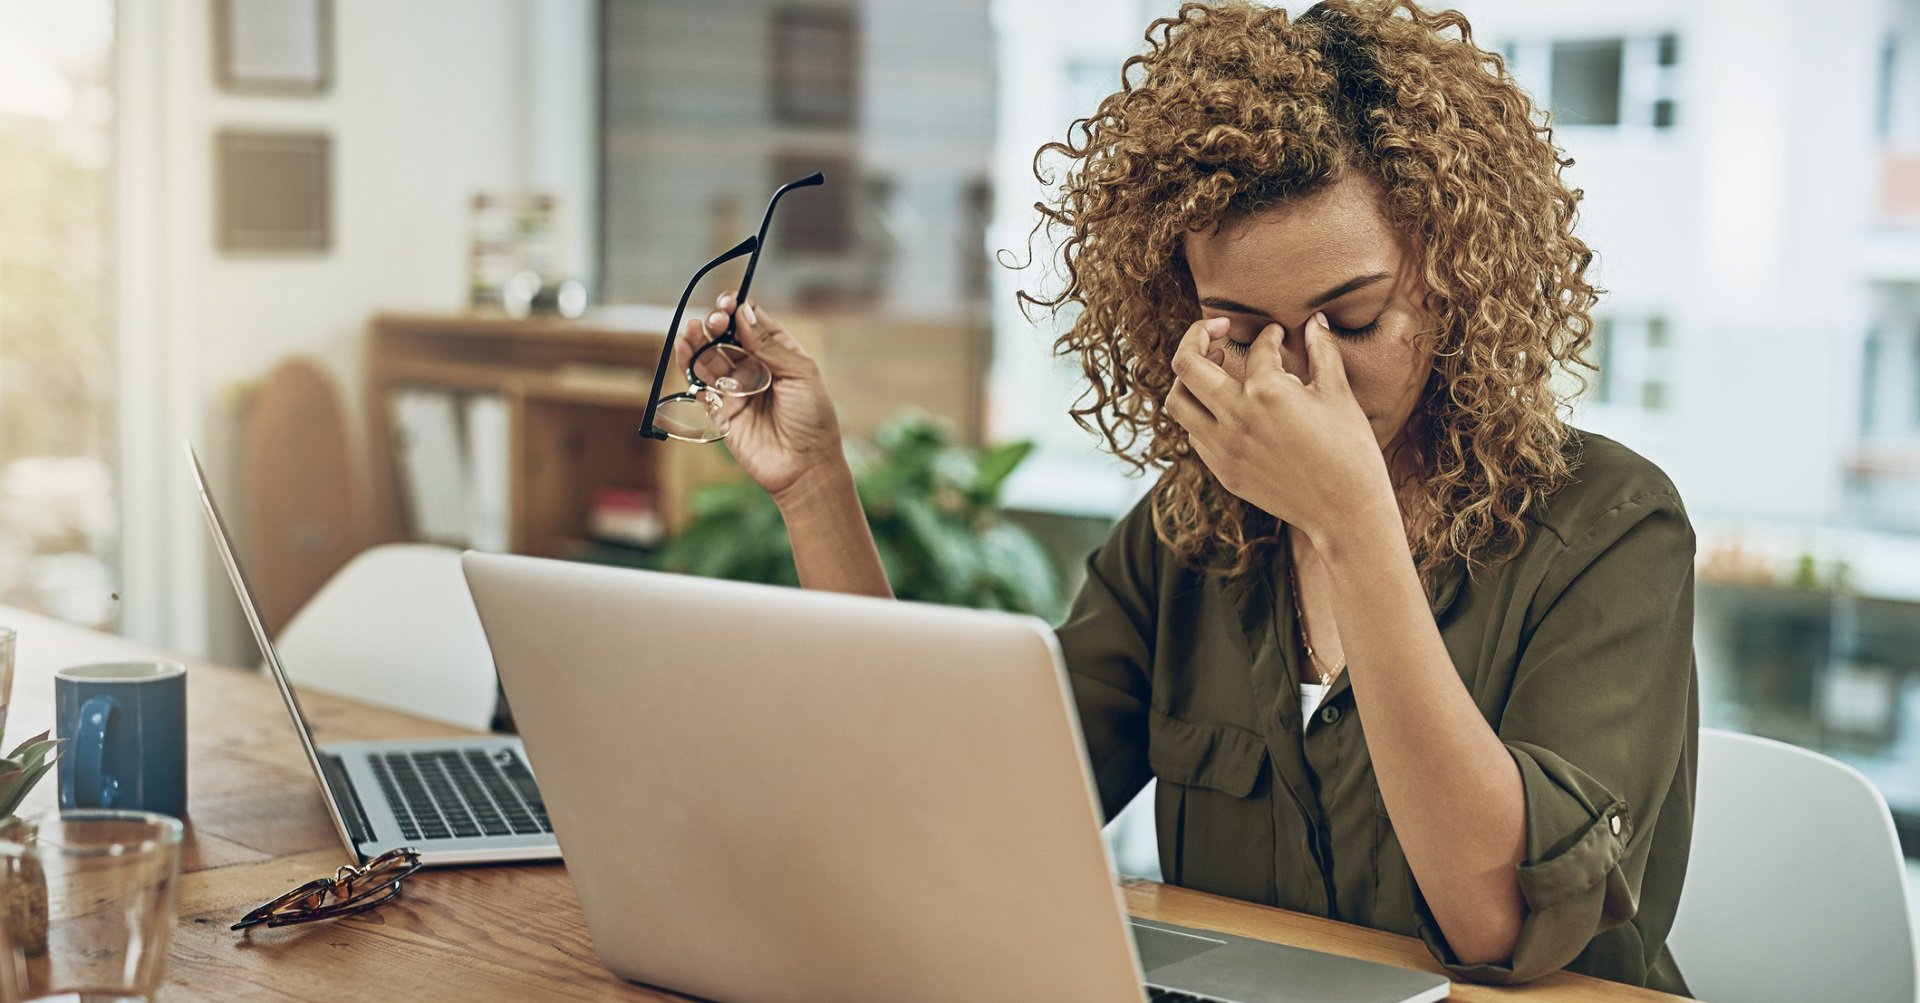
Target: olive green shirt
[1578, 651]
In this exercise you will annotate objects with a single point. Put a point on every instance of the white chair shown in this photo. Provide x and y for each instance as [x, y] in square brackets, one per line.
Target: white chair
[1795, 889]
[396, 627]
[1132, 838]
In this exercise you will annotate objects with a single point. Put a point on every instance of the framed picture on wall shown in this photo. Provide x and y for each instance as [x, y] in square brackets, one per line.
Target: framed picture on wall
[816, 66]
[273, 47]
[273, 192]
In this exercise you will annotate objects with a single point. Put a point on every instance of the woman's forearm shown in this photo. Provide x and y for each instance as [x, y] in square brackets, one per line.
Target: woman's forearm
[832, 544]
[1447, 780]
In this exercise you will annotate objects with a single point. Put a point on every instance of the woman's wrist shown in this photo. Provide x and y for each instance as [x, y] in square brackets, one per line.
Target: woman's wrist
[1360, 532]
[821, 489]
[833, 547]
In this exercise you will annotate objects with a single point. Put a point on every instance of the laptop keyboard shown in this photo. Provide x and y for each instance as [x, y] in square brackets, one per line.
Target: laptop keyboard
[1172, 996]
[449, 793]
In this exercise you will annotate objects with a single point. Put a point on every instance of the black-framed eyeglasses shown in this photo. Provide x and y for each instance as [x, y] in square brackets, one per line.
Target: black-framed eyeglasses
[350, 890]
[721, 368]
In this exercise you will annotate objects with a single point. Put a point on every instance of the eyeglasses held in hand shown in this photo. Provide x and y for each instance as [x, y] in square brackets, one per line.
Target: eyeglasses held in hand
[721, 368]
[350, 890]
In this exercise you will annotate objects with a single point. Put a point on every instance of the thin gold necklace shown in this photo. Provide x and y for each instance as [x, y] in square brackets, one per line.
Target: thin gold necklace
[1300, 623]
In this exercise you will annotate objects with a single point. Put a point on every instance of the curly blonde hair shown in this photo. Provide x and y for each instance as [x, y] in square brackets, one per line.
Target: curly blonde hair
[1237, 108]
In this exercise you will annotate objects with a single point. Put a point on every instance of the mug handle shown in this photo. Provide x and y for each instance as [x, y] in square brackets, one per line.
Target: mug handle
[90, 745]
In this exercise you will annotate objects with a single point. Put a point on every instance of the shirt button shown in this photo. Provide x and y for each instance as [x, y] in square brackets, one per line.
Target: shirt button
[1330, 714]
[1614, 824]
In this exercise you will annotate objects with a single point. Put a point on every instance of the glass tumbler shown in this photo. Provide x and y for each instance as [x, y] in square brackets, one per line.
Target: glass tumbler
[7, 640]
[86, 905]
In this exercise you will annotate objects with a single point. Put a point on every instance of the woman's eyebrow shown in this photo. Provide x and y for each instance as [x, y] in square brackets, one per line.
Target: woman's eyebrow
[1231, 306]
[1357, 282]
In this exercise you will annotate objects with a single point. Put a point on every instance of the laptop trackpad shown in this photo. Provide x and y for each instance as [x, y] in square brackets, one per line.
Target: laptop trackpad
[1159, 948]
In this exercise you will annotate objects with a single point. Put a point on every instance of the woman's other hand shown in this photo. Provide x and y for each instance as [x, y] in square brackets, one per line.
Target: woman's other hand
[787, 433]
[1301, 450]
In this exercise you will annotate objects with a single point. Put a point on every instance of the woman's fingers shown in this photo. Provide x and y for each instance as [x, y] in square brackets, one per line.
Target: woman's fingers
[1328, 368]
[718, 318]
[763, 336]
[693, 335]
[1265, 360]
[1188, 410]
[1200, 376]
[697, 331]
[716, 322]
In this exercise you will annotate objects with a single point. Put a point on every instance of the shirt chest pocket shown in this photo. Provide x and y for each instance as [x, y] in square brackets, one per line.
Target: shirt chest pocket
[1213, 807]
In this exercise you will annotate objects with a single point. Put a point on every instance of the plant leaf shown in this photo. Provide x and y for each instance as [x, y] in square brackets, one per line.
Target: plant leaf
[15, 754]
[14, 790]
[999, 462]
[37, 753]
[1020, 570]
[933, 507]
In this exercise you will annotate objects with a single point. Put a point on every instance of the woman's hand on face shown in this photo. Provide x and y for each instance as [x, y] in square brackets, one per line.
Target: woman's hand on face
[1302, 451]
[787, 432]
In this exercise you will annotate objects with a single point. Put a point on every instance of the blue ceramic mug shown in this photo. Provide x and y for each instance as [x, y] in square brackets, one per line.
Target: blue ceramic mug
[126, 729]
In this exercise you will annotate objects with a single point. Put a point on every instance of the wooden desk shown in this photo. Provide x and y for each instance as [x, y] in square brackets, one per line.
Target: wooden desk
[471, 934]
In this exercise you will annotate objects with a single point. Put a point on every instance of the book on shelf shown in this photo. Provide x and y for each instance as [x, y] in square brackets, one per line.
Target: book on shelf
[454, 452]
[489, 472]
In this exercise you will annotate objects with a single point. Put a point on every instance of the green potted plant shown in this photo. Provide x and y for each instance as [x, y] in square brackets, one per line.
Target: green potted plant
[23, 886]
[934, 507]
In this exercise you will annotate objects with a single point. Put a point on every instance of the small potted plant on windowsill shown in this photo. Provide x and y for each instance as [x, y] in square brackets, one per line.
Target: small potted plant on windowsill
[23, 886]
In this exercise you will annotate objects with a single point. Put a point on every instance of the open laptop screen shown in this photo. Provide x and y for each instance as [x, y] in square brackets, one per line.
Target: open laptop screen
[224, 542]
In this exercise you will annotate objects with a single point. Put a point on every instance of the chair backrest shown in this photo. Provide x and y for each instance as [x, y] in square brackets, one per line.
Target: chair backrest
[1796, 889]
[396, 627]
[300, 487]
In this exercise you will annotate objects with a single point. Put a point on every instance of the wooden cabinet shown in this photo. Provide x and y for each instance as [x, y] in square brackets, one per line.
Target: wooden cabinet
[575, 391]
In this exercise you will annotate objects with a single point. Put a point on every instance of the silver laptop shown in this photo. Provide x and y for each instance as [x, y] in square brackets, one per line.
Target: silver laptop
[455, 800]
[777, 795]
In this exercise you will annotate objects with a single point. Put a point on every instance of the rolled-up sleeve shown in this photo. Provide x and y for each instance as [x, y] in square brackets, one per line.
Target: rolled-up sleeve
[1602, 724]
[1107, 642]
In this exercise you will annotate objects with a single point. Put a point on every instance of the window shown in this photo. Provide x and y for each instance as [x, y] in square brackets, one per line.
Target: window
[1890, 367]
[1890, 383]
[884, 270]
[1882, 477]
[1629, 82]
[1633, 355]
[1586, 82]
[58, 519]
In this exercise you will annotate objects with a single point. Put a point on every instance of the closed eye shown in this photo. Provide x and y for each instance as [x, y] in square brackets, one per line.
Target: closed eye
[1356, 333]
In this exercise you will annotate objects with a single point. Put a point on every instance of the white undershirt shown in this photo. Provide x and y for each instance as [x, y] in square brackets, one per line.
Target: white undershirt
[1310, 696]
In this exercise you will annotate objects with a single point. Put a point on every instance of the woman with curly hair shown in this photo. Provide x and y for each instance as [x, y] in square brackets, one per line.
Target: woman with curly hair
[1402, 647]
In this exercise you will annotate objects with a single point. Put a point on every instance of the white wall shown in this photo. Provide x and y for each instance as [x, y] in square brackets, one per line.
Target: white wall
[432, 100]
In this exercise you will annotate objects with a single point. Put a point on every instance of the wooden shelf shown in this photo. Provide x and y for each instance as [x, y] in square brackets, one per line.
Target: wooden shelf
[576, 390]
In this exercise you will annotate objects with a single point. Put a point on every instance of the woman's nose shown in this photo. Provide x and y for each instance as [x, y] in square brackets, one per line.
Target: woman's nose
[1293, 351]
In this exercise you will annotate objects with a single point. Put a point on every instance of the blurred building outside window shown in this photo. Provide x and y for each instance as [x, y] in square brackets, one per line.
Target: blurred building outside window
[1754, 335]
[1626, 82]
[59, 524]
[1635, 366]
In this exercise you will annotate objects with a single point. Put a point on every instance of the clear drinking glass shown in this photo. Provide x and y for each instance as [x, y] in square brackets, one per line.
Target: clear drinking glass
[6, 674]
[86, 905]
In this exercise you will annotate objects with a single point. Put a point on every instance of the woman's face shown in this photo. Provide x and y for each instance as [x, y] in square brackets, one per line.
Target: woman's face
[1332, 251]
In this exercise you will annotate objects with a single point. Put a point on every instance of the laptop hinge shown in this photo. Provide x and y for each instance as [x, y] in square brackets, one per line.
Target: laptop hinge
[356, 817]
